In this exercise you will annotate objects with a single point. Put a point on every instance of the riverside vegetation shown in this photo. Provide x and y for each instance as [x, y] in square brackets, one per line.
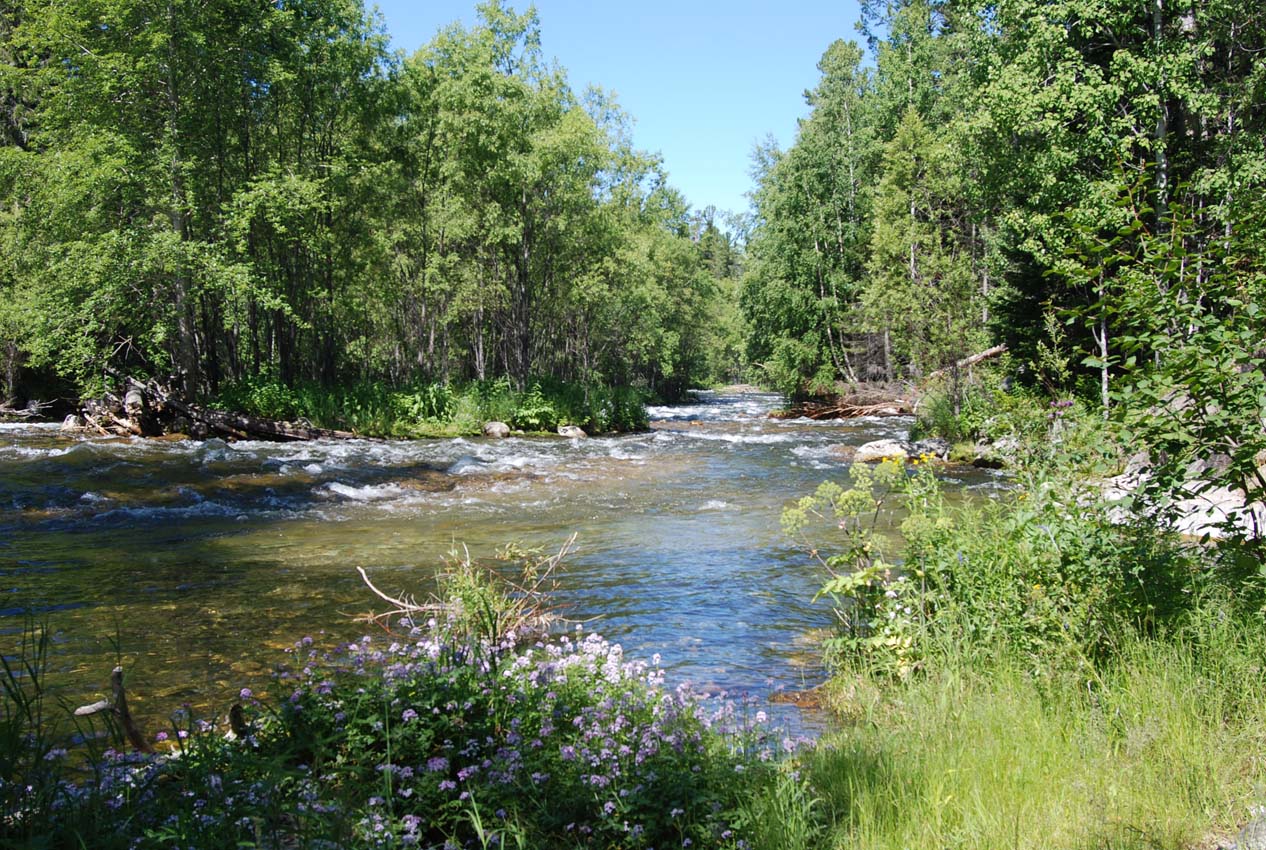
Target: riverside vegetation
[1021, 672]
[471, 728]
[440, 409]
[1079, 180]
[1029, 672]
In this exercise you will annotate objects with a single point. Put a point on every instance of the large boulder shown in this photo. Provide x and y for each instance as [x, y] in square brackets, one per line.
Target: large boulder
[499, 430]
[997, 454]
[573, 431]
[134, 403]
[878, 450]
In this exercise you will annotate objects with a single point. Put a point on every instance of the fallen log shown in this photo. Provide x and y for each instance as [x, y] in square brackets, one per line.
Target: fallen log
[32, 410]
[150, 408]
[987, 354]
[846, 408]
[242, 427]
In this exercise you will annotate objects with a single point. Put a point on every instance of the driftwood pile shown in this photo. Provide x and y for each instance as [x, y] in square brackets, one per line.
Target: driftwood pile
[153, 409]
[33, 410]
[860, 402]
[881, 399]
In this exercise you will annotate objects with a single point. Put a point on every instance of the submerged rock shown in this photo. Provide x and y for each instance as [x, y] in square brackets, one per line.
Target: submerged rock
[499, 430]
[73, 422]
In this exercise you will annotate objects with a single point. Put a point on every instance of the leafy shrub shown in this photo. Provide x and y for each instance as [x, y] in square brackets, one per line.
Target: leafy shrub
[981, 408]
[534, 412]
[262, 396]
[380, 409]
[426, 402]
[1042, 571]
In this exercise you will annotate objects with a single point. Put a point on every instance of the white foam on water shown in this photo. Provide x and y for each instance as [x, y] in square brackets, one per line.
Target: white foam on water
[817, 455]
[467, 464]
[815, 450]
[757, 439]
[32, 451]
[367, 493]
[19, 427]
[714, 505]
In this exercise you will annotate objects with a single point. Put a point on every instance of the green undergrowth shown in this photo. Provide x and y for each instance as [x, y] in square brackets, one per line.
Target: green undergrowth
[437, 409]
[1158, 748]
[1040, 669]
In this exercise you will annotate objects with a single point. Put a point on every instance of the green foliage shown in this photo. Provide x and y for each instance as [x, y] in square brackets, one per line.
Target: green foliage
[982, 407]
[1156, 749]
[426, 409]
[1044, 573]
[265, 190]
[921, 286]
[1189, 383]
[534, 412]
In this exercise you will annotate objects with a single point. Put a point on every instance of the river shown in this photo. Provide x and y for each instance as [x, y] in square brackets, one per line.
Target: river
[196, 564]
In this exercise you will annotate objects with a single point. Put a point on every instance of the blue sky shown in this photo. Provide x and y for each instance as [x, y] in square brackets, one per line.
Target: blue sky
[704, 81]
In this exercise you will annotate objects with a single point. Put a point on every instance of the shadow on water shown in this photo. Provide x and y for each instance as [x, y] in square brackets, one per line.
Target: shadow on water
[203, 562]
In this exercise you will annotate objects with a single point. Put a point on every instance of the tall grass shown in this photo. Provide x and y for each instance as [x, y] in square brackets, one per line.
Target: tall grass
[1161, 748]
[1045, 671]
[437, 409]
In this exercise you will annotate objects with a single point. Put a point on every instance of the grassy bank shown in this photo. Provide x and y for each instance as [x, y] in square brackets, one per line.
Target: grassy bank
[1041, 670]
[1159, 748]
[436, 410]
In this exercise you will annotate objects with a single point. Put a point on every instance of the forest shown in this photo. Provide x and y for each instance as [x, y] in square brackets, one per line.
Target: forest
[1079, 180]
[256, 190]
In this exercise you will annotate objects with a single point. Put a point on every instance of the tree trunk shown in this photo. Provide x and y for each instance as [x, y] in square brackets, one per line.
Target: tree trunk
[186, 344]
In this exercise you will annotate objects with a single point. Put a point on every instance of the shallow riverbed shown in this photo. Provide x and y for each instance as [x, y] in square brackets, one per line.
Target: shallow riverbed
[197, 563]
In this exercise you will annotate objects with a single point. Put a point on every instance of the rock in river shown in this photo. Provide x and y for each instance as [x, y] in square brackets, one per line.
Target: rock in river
[573, 431]
[496, 429]
[878, 450]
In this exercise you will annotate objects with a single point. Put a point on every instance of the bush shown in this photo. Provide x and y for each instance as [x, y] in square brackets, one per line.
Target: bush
[260, 395]
[434, 409]
[1042, 571]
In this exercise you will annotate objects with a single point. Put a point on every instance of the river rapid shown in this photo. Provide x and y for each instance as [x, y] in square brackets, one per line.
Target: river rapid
[196, 564]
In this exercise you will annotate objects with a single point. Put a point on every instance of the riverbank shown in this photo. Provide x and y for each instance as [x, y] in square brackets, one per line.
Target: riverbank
[267, 409]
[1039, 671]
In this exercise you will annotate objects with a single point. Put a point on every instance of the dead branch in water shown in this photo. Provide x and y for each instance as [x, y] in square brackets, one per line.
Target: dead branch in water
[122, 715]
[527, 600]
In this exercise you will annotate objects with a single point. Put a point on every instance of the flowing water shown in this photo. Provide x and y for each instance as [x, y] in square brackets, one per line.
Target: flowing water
[197, 563]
